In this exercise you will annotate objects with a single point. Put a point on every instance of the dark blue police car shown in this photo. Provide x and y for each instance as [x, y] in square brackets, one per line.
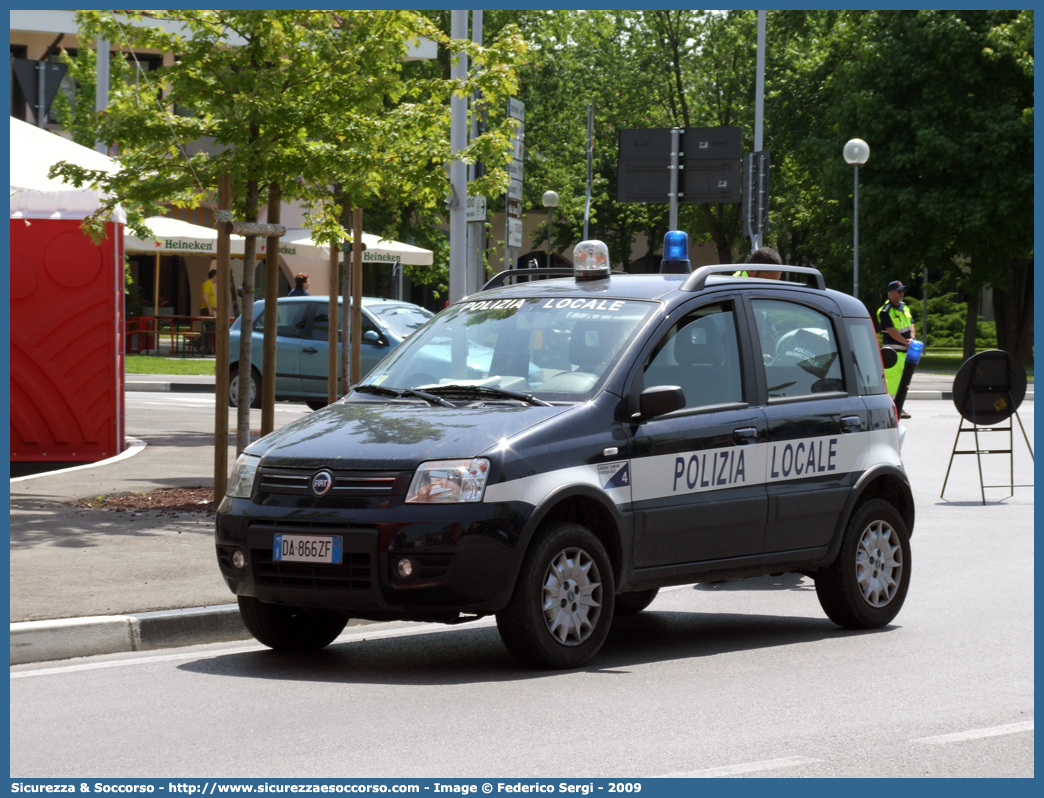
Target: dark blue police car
[554, 452]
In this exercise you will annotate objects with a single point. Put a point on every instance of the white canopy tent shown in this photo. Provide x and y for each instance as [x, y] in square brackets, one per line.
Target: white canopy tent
[34, 195]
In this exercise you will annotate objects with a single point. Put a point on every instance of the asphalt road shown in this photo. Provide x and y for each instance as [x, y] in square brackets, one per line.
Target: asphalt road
[743, 678]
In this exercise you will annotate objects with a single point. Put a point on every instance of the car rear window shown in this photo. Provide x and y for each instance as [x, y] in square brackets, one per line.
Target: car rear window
[866, 355]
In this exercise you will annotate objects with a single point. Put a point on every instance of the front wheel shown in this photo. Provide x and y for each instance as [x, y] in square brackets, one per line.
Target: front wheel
[233, 388]
[290, 628]
[563, 602]
[866, 586]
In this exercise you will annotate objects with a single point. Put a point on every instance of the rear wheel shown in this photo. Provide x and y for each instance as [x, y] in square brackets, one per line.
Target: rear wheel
[233, 388]
[563, 603]
[867, 584]
[633, 603]
[290, 628]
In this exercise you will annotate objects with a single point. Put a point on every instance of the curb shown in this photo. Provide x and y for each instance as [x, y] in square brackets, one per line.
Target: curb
[168, 387]
[43, 641]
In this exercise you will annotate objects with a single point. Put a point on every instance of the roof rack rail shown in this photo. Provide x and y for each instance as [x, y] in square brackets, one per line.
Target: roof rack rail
[497, 280]
[697, 281]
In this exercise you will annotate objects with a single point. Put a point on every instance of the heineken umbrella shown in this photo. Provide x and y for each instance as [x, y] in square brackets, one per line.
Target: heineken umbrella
[175, 237]
[378, 250]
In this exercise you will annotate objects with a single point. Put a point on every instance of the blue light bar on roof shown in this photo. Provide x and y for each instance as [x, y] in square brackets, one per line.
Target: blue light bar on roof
[675, 253]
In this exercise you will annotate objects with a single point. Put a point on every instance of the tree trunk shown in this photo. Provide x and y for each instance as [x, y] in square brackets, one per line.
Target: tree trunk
[1013, 309]
[971, 324]
[246, 326]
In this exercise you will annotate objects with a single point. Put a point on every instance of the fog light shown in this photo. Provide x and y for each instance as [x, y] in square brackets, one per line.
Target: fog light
[405, 568]
[238, 560]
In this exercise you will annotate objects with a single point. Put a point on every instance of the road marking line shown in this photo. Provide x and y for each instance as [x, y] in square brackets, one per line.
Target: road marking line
[134, 445]
[977, 734]
[357, 634]
[746, 767]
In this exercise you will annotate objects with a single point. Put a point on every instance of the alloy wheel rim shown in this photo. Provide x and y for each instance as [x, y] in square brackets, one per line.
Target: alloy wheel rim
[233, 391]
[879, 564]
[572, 597]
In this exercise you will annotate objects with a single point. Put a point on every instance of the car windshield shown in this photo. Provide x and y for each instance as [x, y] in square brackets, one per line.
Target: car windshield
[402, 320]
[553, 348]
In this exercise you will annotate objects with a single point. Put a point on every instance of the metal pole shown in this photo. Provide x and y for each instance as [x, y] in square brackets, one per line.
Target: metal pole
[155, 301]
[476, 230]
[590, 155]
[924, 295]
[759, 90]
[101, 92]
[221, 338]
[268, 347]
[673, 196]
[41, 83]
[458, 174]
[549, 238]
[855, 246]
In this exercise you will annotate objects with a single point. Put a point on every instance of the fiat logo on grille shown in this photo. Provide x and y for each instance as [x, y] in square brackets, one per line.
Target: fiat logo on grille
[321, 483]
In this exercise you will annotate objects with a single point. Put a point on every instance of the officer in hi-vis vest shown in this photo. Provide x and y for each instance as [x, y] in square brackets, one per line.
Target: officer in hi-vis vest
[897, 330]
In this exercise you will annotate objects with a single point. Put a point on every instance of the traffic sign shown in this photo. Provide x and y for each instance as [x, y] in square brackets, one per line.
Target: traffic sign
[514, 233]
[516, 109]
[476, 209]
[514, 208]
[515, 190]
[709, 165]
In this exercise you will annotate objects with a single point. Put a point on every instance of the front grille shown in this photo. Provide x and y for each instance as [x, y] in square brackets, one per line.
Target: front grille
[352, 574]
[350, 484]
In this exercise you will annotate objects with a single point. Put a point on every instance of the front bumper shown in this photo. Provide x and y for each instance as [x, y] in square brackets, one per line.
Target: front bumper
[466, 556]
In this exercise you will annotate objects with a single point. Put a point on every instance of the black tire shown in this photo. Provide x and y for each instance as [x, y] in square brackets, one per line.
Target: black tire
[574, 552]
[290, 628]
[633, 603]
[863, 589]
[316, 404]
[233, 387]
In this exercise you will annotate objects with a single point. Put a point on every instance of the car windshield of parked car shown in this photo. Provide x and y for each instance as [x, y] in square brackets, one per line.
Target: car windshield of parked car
[551, 347]
[402, 320]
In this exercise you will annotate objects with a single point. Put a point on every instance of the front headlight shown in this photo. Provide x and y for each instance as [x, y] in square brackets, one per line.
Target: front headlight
[242, 483]
[449, 481]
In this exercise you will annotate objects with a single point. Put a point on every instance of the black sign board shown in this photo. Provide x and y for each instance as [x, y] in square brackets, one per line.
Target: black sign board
[709, 160]
[28, 74]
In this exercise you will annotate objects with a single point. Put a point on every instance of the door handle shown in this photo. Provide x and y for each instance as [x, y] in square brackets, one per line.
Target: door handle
[851, 424]
[310, 350]
[745, 435]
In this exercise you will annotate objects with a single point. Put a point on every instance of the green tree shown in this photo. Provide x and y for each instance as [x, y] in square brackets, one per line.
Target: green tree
[299, 97]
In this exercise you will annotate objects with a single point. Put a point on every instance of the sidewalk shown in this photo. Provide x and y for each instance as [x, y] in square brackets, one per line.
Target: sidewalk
[87, 582]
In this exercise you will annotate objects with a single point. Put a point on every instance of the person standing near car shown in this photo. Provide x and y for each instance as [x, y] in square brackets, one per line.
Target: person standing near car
[300, 285]
[208, 295]
[767, 256]
[208, 308]
[897, 330]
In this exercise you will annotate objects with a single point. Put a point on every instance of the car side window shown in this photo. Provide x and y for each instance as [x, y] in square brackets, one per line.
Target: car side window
[699, 354]
[290, 320]
[798, 349]
[321, 324]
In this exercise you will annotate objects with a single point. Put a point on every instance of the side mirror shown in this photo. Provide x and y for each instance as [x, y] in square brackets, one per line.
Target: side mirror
[372, 337]
[658, 401]
[889, 356]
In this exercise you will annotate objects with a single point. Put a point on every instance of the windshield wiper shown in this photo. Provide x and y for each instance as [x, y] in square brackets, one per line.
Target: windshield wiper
[486, 390]
[392, 393]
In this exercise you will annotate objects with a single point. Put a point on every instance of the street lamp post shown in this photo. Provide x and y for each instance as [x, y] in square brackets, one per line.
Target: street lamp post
[550, 200]
[856, 152]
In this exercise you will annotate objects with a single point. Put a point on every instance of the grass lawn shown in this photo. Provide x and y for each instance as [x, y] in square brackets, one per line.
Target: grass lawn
[147, 364]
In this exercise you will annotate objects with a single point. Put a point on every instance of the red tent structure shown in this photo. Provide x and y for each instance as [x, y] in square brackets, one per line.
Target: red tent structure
[67, 311]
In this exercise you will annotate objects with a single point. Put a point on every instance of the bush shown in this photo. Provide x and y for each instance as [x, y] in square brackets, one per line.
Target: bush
[946, 318]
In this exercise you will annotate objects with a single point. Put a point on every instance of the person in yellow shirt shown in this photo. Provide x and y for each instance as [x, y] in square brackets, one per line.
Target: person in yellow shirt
[208, 296]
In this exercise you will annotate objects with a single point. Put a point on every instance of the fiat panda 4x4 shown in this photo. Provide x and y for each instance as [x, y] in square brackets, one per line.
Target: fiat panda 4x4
[553, 452]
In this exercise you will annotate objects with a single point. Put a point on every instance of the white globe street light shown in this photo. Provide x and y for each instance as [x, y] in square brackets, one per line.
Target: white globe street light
[549, 200]
[856, 152]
